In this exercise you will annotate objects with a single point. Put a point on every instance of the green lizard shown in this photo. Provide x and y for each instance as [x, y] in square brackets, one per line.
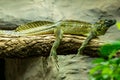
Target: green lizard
[64, 27]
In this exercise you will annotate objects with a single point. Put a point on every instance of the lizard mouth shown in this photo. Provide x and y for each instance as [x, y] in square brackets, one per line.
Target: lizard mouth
[110, 22]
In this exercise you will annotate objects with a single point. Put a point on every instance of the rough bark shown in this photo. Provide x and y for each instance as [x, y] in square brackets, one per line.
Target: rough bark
[29, 46]
[21, 63]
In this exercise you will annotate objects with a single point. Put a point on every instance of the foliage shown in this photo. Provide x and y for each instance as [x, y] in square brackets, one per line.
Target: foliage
[118, 25]
[109, 50]
[107, 67]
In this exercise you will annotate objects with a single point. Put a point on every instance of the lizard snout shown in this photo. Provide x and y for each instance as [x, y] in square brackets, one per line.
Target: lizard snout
[110, 22]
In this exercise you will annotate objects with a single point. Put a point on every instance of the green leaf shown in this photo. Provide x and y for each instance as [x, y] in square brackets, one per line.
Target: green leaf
[105, 76]
[117, 76]
[103, 64]
[107, 71]
[110, 48]
[98, 60]
[112, 53]
[95, 69]
[114, 61]
[118, 25]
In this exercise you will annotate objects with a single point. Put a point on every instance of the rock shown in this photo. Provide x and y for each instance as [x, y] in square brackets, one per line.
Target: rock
[77, 69]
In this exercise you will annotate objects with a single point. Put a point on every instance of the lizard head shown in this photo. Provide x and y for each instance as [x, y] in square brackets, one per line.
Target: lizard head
[103, 25]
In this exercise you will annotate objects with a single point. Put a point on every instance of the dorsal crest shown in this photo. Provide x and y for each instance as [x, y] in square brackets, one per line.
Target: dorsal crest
[32, 25]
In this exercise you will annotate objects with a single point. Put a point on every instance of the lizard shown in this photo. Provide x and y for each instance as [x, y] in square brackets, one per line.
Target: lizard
[64, 27]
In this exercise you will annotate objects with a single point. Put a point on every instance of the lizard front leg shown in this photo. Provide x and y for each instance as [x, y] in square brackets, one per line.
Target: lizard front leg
[84, 44]
[53, 54]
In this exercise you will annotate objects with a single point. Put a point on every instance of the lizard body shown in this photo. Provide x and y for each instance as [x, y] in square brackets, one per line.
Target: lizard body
[64, 27]
[42, 27]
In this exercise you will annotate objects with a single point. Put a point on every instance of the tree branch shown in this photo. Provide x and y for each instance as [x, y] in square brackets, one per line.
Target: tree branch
[29, 46]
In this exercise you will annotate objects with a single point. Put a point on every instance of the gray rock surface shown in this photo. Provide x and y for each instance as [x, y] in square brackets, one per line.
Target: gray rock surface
[17, 12]
[74, 68]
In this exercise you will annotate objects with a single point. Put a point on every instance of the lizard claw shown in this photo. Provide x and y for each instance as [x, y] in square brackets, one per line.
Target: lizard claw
[80, 51]
[54, 58]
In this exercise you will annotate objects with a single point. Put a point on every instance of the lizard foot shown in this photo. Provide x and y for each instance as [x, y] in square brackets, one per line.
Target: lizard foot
[80, 51]
[54, 58]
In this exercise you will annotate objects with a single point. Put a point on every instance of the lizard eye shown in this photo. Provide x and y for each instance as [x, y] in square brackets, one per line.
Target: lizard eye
[108, 21]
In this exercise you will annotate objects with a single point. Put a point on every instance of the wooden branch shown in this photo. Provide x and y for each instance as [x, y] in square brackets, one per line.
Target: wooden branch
[29, 46]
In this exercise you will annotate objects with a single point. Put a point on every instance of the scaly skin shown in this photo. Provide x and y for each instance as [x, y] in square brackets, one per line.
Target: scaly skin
[64, 27]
